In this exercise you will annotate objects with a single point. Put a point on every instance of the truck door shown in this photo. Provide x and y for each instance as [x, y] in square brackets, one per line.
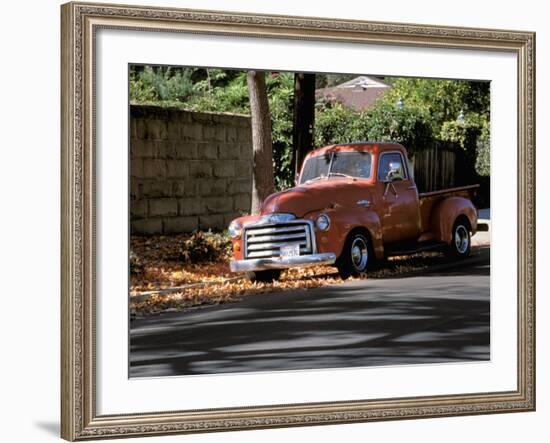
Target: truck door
[398, 198]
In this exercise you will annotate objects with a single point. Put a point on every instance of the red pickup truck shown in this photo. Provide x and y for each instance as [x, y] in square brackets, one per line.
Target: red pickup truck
[353, 204]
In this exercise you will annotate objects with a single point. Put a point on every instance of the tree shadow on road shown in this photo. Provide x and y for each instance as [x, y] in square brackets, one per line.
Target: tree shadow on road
[331, 327]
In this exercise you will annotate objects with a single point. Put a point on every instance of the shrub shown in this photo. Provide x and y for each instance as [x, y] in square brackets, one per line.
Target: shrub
[474, 137]
[203, 246]
[483, 159]
[385, 122]
[441, 100]
[160, 84]
[407, 125]
[464, 134]
[335, 123]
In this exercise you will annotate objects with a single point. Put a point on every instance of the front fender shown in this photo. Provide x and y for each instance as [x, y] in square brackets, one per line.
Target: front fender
[237, 245]
[445, 213]
[343, 221]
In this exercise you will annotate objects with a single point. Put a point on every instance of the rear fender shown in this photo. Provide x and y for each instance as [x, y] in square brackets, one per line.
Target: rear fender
[445, 213]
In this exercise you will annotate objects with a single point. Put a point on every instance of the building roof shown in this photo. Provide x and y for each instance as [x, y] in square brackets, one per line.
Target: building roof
[358, 93]
[363, 82]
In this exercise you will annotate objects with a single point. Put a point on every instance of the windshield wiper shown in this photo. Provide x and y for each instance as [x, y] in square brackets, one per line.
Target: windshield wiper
[314, 179]
[340, 174]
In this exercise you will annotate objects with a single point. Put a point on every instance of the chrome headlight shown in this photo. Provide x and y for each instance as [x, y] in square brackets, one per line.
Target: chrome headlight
[323, 222]
[235, 229]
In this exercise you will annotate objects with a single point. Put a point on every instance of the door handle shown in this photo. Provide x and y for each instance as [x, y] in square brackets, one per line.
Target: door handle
[388, 186]
[365, 203]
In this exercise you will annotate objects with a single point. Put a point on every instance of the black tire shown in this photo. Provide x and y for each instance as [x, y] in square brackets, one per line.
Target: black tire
[461, 240]
[357, 256]
[267, 276]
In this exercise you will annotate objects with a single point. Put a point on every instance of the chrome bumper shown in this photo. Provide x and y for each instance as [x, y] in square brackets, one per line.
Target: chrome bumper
[262, 264]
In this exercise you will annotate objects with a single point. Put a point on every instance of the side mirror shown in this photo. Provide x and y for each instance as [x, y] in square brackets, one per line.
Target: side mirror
[395, 172]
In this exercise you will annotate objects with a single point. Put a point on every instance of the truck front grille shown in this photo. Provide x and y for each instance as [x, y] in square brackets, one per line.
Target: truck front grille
[266, 240]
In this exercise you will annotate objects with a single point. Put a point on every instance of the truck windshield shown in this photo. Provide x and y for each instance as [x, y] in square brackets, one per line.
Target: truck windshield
[337, 165]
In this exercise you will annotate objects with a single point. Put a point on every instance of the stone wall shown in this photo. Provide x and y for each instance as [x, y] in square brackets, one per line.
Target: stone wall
[188, 170]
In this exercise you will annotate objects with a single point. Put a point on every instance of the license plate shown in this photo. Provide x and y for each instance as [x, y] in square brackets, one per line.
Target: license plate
[290, 251]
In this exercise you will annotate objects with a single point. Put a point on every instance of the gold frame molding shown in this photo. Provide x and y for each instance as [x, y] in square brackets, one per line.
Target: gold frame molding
[79, 22]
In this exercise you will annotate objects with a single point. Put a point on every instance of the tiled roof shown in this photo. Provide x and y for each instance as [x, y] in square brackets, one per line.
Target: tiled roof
[359, 93]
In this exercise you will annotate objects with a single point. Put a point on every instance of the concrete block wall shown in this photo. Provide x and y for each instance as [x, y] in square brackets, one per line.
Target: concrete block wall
[188, 170]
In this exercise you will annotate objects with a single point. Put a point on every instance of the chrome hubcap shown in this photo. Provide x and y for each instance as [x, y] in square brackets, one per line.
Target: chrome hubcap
[461, 239]
[359, 254]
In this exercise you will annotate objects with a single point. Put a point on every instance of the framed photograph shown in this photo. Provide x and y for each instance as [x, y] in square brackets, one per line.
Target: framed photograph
[277, 221]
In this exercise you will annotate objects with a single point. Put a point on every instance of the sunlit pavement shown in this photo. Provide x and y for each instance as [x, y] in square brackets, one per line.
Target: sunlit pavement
[483, 236]
[438, 317]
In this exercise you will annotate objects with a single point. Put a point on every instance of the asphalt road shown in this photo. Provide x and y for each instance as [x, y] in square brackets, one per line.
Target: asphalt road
[438, 317]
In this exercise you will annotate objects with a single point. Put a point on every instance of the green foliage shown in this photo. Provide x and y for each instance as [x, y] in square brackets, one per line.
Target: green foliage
[233, 97]
[217, 90]
[338, 124]
[204, 246]
[221, 94]
[440, 100]
[161, 84]
[214, 90]
[407, 125]
[473, 135]
[280, 90]
[428, 115]
[459, 133]
[483, 149]
[483, 159]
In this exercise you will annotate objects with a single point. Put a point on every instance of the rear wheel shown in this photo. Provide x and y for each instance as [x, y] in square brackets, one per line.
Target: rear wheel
[267, 276]
[356, 256]
[461, 240]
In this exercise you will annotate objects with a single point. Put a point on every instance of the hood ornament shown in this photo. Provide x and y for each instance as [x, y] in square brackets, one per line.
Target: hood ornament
[277, 218]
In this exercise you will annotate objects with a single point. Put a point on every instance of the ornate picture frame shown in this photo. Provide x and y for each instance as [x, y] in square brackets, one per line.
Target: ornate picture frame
[80, 22]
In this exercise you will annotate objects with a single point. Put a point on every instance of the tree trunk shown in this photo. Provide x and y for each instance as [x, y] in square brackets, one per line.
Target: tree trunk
[304, 118]
[262, 175]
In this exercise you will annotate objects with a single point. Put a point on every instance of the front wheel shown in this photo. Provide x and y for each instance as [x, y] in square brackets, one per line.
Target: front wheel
[356, 256]
[460, 242]
[267, 276]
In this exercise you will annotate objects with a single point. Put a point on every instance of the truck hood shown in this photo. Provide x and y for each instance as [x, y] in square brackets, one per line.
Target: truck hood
[316, 196]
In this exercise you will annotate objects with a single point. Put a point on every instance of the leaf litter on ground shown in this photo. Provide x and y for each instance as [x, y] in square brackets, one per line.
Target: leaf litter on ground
[166, 261]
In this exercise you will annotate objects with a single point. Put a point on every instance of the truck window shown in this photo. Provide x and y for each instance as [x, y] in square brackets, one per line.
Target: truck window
[354, 164]
[384, 164]
[316, 167]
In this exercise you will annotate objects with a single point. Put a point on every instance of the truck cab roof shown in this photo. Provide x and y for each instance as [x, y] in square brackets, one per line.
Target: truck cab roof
[373, 147]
